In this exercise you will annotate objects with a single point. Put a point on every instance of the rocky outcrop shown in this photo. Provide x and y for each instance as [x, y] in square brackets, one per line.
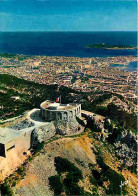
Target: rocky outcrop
[45, 131]
[129, 139]
[67, 128]
[124, 141]
[127, 155]
[22, 125]
[126, 148]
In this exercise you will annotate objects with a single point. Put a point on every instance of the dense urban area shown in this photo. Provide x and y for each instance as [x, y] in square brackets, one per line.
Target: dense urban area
[81, 74]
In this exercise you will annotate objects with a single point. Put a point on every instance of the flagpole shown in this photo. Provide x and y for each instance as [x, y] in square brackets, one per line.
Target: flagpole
[60, 99]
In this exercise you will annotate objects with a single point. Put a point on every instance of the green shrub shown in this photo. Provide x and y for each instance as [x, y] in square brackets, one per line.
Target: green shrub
[93, 181]
[115, 133]
[92, 125]
[21, 170]
[115, 180]
[6, 190]
[55, 184]
[63, 165]
[107, 174]
[73, 176]
[72, 188]
[101, 163]
[97, 177]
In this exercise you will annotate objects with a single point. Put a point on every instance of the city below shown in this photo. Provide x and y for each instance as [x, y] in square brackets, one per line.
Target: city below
[81, 74]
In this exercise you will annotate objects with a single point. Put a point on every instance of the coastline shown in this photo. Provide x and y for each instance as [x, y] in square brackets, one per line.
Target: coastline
[111, 47]
[128, 67]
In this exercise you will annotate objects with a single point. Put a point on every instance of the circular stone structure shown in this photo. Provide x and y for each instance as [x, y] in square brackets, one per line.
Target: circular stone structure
[51, 111]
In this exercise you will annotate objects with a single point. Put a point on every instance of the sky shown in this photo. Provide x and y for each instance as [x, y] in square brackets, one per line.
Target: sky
[68, 15]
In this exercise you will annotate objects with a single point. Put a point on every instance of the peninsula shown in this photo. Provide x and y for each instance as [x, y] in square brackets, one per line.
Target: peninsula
[111, 47]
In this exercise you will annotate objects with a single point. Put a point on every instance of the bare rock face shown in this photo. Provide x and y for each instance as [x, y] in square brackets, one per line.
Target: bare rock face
[126, 148]
[130, 140]
[127, 155]
[46, 131]
[61, 128]
[22, 125]
[42, 132]
[67, 128]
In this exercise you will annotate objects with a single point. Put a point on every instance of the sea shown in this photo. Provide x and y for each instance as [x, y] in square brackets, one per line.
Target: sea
[67, 43]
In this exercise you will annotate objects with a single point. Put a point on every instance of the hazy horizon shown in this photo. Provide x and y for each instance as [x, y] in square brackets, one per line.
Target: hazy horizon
[61, 31]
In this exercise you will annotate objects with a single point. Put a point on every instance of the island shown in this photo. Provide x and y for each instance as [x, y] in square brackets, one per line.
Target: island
[110, 47]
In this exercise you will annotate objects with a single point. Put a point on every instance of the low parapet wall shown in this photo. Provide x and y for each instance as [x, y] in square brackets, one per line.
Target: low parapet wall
[61, 112]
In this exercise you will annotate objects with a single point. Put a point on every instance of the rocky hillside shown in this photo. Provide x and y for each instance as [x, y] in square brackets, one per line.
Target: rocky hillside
[96, 161]
[77, 150]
